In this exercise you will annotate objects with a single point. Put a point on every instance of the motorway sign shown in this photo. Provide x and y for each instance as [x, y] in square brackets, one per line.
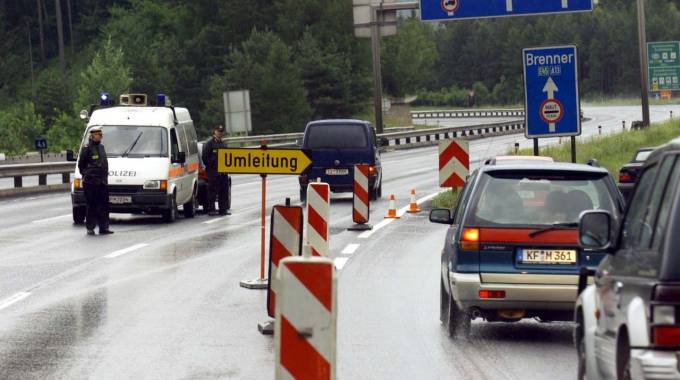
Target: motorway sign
[441, 10]
[262, 161]
[40, 143]
[664, 65]
[551, 92]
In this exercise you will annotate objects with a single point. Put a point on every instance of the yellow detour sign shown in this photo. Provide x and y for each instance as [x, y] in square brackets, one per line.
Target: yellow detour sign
[262, 161]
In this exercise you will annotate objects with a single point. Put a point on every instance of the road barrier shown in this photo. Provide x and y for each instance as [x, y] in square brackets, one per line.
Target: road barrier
[318, 217]
[361, 200]
[462, 114]
[306, 319]
[454, 163]
[394, 140]
[285, 240]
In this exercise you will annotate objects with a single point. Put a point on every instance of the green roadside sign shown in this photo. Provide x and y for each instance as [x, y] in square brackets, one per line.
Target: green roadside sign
[664, 65]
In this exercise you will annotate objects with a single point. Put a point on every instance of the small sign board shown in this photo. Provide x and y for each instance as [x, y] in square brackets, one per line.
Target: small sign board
[454, 162]
[237, 112]
[551, 92]
[664, 65]
[262, 161]
[442, 10]
[40, 143]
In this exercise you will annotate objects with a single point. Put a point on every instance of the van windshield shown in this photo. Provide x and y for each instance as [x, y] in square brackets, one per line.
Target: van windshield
[336, 136]
[135, 141]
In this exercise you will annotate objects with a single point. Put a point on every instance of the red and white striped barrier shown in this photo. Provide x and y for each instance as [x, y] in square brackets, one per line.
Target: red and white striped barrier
[306, 319]
[285, 241]
[361, 208]
[318, 217]
[454, 163]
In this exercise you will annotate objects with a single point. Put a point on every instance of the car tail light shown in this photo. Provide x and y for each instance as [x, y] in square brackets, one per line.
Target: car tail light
[76, 183]
[372, 170]
[625, 177]
[469, 241]
[488, 294]
[665, 331]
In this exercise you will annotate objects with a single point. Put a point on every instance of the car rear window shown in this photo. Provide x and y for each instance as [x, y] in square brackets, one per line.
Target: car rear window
[642, 155]
[537, 198]
[336, 136]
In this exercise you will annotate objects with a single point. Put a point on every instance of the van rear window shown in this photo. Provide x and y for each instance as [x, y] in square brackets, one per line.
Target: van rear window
[336, 136]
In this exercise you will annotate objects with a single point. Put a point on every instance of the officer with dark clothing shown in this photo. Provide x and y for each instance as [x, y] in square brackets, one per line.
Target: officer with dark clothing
[94, 168]
[218, 183]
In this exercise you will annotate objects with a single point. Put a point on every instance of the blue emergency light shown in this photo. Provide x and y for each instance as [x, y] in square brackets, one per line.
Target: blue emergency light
[160, 99]
[104, 99]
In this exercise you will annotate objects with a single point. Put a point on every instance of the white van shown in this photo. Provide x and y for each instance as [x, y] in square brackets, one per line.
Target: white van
[153, 158]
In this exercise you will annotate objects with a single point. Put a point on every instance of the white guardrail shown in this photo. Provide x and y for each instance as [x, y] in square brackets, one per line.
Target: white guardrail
[465, 114]
[390, 141]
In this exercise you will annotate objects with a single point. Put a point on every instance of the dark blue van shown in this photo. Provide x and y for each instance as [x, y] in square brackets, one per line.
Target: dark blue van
[336, 146]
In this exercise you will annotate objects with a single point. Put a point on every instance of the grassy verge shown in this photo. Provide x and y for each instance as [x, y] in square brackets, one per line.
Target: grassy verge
[632, 101]
[446, 199]
[611, 151]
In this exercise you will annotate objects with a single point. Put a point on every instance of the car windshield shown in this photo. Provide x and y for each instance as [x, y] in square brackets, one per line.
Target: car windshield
[336, 136]
[135, 141]
[542, 198]
[642, 155]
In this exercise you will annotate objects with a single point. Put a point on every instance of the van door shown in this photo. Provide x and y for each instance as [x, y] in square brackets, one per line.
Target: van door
[184, 179]
[176, 169]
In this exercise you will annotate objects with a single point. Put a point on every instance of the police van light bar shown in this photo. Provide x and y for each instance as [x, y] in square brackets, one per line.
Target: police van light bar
[104, 99]
[163, 100]
[133, 100]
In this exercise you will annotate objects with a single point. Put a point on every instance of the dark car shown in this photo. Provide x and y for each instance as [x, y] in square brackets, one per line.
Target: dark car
[629, 172]
[336, 146]
[511, 251]
[202, 195]
[628, 322]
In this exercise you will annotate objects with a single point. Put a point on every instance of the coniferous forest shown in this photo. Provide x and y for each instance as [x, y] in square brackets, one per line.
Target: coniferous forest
[299, 59]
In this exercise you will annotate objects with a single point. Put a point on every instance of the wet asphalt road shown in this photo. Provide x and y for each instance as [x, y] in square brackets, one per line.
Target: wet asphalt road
[159, 301]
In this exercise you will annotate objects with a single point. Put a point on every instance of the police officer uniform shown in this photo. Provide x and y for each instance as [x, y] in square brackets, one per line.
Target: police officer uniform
[218, 183]
[94, 168]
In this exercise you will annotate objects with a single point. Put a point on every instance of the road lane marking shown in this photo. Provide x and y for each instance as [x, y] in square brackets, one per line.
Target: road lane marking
[350, 249]
[124, 251]
[13, 299]
[400, 212]
[215, 220]
[340, 262]
[51, 219]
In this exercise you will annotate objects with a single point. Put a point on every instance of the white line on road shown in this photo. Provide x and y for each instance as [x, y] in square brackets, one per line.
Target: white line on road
[350, 249]
[211, 221]
[13, 299]
[340, 262]
[124, 251]
[51, 219]
[400, 212]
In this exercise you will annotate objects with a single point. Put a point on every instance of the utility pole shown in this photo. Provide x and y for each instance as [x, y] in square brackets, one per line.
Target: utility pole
[644, 80]
[377, 73]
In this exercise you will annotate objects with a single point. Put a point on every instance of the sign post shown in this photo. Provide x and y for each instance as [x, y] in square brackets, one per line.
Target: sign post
[262, 161]
[443, 10]
[41, 145]
[551, 93]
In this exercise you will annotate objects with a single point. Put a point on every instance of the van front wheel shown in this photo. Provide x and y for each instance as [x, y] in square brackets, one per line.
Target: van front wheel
[189, 208]
[79, 214]
[170, 215]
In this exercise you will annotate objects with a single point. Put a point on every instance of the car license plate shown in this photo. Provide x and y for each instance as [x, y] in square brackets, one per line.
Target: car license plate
[547, 256]
[337, 171]
[117, 199]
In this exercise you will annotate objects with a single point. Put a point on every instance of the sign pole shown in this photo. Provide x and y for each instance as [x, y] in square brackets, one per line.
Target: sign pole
[535, 147]
[644, 80]
[262, 224]
[377, 76]
[573, 149]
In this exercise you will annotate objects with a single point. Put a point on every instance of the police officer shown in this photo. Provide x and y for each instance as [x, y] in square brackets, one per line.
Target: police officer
[94, 168]
[218, 183]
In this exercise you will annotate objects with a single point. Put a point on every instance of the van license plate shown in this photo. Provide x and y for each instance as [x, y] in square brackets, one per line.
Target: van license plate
[117, 199]
[547, 256]
[337, 171]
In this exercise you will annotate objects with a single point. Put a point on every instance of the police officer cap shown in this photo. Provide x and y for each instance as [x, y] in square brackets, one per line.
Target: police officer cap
[95, 129]
[218, 128]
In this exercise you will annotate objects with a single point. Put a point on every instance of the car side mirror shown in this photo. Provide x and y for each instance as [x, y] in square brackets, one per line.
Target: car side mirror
[180, 158]
[441, 216]
[595, 230]
[69, 156]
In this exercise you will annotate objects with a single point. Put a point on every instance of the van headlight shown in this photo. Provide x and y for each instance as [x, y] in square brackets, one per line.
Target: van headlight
[155, 185]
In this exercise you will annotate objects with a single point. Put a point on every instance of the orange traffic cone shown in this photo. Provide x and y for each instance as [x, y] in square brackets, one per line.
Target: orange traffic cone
[392, 210]
[413, 206]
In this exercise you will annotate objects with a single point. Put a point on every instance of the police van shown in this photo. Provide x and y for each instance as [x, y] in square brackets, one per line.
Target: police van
[152, 154]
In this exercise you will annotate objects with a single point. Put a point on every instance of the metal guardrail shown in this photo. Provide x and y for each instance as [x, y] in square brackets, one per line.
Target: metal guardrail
[396, 140]
[461, 114]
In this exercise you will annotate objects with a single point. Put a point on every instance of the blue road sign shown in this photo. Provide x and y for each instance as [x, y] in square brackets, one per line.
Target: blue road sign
[40, 143]
[440, 10]
[552, 107]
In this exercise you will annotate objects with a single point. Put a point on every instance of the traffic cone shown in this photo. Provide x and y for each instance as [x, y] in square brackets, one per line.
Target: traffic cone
[392, 211]
[413, 206]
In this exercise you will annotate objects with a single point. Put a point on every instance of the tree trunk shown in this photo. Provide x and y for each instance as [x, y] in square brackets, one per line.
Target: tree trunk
[60, 36]
[70, 24]
[30, 56]
[42, 34]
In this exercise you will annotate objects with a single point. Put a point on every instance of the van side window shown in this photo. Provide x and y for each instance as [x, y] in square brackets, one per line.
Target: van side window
[181, 133]
[666, 204]
[632, 229]
[174, 147]
[191, 136]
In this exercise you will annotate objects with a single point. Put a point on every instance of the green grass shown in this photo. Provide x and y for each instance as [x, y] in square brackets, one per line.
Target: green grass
[625, 101]
[446, 199]
[611, 151]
